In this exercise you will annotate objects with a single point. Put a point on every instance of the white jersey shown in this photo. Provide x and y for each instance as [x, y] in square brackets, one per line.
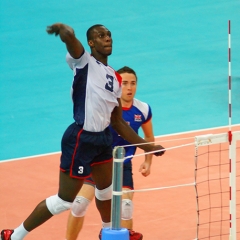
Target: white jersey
[95, 90]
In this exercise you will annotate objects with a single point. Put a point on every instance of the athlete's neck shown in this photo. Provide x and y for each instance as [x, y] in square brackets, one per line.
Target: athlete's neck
[101, 58]
[126, 104]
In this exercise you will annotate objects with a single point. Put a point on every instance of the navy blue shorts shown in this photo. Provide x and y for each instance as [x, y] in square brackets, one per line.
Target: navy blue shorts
[127, 176]
[82, 149]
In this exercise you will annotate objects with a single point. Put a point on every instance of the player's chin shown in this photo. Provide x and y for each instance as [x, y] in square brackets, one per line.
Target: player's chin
[109, 53]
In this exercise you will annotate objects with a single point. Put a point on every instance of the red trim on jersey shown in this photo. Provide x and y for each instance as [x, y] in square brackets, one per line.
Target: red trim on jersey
[72, 176]
[81, 177]
[127, 187]
[126, 108]
[74, 153]
[105, 161]
[119, 78]
[147, 120]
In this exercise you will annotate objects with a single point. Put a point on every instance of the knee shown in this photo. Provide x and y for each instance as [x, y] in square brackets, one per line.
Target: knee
[127, 209]
[56, 205]
[104, 194]
[79, 206]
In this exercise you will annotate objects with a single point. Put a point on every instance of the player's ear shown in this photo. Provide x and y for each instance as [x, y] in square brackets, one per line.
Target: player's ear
[90, 43]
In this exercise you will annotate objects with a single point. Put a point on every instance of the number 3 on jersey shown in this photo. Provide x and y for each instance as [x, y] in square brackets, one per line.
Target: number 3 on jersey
[80, 170]
[109, 84]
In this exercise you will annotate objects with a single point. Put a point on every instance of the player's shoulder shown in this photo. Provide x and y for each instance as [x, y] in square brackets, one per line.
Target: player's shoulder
[140, 104]
[142, 108]
[72, 62]
[84, 53]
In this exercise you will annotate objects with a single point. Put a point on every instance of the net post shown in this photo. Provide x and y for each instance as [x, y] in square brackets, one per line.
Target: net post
[116, 232]
[229, 78]
[118, 158]
[232, 182]
[232, 157]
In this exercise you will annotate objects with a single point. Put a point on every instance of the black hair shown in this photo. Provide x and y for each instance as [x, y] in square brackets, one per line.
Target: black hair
[91, 29]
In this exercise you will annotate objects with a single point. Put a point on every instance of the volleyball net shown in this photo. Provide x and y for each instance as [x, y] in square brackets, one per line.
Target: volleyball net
[202, 192]
[216, 176]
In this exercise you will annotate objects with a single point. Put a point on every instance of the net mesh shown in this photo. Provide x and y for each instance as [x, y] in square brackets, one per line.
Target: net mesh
[213, 177]
[195, 185]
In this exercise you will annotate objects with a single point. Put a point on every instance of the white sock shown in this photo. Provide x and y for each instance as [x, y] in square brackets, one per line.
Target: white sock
[19, 233]
[106, 225]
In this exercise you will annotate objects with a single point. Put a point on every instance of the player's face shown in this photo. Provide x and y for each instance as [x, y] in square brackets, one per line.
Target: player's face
[102, 41]
[129, 86]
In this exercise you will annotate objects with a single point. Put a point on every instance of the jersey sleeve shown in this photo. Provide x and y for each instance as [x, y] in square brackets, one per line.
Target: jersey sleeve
[144, 109]
[149, 115]
[80, 62]
[119, 80]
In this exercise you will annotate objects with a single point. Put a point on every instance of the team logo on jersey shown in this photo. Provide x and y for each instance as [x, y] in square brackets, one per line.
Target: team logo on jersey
[137, 118]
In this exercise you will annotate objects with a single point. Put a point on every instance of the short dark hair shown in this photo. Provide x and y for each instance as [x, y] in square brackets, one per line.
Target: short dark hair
[90, 31]
[126, 69]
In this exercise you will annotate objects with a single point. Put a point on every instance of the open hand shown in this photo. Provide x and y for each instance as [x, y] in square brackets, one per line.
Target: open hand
[53, 29]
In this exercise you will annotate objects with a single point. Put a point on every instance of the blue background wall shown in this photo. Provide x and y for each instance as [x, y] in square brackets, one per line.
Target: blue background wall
[179, 50]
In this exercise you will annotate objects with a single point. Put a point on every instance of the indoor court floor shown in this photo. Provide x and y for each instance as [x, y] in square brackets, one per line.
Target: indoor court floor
[168, 214]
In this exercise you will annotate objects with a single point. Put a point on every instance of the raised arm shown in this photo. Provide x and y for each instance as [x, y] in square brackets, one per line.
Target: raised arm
[126, 132]
[66, 33]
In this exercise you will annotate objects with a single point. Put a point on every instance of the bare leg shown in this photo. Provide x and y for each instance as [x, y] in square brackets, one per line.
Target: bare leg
[75, 224]
[39, 215]
[102, 176]
[68, 189]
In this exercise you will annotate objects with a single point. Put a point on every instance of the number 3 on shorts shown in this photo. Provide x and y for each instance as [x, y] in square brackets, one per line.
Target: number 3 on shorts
[80, 171]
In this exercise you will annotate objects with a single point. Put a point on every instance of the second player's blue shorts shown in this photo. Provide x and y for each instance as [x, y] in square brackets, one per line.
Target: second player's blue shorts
[127, 176]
